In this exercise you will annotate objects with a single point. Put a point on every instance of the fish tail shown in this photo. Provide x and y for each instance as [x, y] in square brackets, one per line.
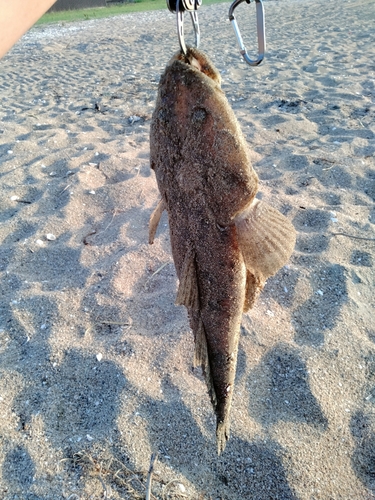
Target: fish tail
[222, 434]
[188, 296]
[201, 359]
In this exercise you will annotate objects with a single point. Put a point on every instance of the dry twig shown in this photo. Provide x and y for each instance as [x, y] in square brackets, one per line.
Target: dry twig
[154, 456]
[119, 323]
[156, 272]
[352, 236]
[133, 482]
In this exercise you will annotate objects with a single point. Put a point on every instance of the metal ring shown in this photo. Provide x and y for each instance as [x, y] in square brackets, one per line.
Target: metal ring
[180, 26]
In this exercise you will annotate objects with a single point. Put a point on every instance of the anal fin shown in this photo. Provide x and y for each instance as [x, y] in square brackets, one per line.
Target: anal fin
[188, 292]
[154, 220]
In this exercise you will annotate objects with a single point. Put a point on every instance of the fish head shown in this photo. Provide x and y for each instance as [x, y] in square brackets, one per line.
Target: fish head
[199, 61]
[196, 141]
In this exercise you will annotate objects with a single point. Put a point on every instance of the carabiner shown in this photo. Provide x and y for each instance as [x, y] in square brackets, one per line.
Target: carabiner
[180, 6]
[180, 26]
[260, 32]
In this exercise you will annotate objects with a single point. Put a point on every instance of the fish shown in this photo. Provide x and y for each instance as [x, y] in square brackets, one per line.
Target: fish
[225, 242]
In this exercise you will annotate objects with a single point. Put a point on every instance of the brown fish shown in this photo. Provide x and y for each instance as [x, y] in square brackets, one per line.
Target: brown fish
[225, 243]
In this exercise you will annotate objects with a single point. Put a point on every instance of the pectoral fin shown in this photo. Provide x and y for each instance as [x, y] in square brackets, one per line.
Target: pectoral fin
[266, 239]
[154, 220]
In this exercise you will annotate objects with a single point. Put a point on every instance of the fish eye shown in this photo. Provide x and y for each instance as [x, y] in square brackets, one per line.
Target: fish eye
[199, 114]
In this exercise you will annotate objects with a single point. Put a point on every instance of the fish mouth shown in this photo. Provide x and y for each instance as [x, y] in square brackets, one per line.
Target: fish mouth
[199, 61]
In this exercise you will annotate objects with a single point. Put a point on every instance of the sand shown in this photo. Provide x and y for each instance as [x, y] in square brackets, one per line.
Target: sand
[95, 358]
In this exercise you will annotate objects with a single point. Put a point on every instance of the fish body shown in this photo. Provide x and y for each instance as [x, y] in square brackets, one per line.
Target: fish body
[222, 250]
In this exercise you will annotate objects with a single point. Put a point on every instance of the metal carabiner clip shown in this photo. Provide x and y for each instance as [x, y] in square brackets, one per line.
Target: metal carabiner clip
[260, 32]
[180, 26]
[180, 6]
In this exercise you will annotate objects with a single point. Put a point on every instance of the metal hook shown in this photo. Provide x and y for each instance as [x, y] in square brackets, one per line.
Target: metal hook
[260, 32]
[180, 26]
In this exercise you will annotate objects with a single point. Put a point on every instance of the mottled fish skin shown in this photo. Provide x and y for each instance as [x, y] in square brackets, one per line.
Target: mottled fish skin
[208, 186]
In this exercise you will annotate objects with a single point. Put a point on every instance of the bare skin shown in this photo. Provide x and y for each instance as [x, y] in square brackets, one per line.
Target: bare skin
[16, 17]
[225, 243]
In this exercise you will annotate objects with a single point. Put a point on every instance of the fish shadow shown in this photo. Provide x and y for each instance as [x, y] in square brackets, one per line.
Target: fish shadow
[362, 427]
[282, 287]
[366, 184]
[75, 396]
[84, 400]
[18, 470]
[320, 312]
[251, 470]
[280, 391]
[259, 472]
[172, 428]
[363, 458]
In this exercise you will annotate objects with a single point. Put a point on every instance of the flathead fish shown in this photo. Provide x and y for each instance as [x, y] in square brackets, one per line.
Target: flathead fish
[225, 242]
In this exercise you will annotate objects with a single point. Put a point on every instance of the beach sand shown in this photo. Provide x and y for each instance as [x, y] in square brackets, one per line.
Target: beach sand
[95, 358]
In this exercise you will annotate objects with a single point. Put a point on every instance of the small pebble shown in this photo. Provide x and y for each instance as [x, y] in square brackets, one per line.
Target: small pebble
[99, 356]
[134, 118]
[181, 487]
[50, 237]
